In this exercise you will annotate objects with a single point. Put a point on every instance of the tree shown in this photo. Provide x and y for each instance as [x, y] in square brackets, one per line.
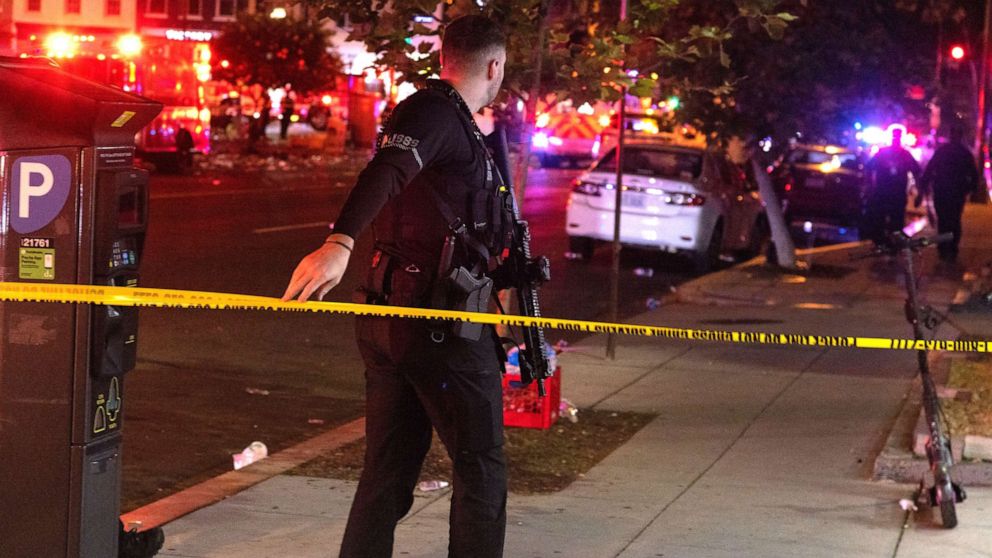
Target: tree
[839, 63]
[256, 49]
[571, 49]
[581, 40]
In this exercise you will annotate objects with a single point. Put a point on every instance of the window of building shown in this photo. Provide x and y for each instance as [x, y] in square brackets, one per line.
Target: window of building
[34, 5]
[226, 8]
[155, 7]
[194, 8]
[113, 7]
[72, 6]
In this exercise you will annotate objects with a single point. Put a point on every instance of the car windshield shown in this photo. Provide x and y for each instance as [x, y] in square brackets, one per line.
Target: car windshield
[655, 162]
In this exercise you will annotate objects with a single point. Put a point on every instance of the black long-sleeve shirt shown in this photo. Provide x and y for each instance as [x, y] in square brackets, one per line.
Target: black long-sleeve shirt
[889, 170]
[951, 174]
[425, 143]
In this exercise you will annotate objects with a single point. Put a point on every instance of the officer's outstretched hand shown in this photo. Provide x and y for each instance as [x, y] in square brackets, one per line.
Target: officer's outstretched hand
[321, 270]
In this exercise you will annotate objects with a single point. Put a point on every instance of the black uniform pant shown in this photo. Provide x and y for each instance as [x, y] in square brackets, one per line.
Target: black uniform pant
[885, 214]
[413, 383]
[948, 221]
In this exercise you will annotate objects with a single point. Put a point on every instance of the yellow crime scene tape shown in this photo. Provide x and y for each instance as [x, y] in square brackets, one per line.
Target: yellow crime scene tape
[169, 298]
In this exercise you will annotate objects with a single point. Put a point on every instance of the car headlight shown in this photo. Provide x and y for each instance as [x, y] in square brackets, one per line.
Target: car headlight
[541, 140]
[586, 188]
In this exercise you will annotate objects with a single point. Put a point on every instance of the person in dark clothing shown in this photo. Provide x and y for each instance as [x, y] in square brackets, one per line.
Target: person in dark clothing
[888, 174]
[430, 161]
[950, 177]
[265, 114]
[287, 106]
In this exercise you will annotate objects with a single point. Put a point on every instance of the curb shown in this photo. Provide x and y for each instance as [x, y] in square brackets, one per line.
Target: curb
[896, 461]
[214, 490]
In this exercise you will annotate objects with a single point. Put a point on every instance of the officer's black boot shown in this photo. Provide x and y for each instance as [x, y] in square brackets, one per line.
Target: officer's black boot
[135, 544]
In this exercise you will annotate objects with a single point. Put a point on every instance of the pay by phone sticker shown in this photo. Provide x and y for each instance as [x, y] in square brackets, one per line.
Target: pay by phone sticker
[36, 259]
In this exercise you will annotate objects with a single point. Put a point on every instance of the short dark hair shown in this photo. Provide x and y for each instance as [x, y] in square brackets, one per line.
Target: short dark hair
[468, 39]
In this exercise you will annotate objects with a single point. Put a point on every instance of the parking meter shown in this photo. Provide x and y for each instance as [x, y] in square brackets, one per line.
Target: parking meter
[73, 209]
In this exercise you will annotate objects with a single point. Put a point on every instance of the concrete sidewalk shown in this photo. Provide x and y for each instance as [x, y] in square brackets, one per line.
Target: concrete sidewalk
[756, 451]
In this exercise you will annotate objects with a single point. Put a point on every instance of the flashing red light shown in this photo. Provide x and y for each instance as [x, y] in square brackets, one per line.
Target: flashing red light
[957, 52]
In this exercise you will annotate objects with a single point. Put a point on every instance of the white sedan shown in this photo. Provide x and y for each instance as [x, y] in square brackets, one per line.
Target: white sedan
[680, 199]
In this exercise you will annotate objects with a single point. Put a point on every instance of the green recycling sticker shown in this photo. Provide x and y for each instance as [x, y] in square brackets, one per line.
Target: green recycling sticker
[36, 263]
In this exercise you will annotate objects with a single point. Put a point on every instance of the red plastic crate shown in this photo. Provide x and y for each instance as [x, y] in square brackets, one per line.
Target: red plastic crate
[522, 406]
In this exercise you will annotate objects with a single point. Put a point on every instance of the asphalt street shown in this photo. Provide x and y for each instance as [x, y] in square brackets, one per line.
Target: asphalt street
[244, 232]
[210, 382]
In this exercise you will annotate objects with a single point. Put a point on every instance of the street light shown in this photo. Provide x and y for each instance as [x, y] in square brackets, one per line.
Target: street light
[278, 13]
[957, 52]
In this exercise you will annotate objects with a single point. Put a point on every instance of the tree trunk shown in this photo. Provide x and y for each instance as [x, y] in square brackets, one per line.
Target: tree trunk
[531, 105]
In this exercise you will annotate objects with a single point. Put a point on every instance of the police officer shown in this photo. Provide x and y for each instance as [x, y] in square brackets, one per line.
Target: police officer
[430, 195]
[950, 176]
[888, 174]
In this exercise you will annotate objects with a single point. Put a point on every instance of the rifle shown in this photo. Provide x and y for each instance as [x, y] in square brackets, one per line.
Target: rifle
[525, 273]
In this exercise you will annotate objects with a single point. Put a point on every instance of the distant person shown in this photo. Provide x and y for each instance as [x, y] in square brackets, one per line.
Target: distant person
[287, 107]
[888, 177]
[950, 177]
[265, 114]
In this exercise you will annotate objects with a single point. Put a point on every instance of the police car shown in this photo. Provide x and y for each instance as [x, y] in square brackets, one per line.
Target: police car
[684, 199]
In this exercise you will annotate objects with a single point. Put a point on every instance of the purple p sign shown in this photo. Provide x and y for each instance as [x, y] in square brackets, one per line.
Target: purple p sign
[40, 186]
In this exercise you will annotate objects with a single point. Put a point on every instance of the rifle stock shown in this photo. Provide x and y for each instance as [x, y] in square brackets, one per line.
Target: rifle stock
[534, 363]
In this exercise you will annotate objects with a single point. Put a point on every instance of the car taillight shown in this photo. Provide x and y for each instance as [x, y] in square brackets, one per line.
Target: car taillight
[586, 188]
[684, 199]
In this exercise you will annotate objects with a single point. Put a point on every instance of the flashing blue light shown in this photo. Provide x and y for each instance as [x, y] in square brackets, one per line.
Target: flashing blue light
[857, 125]
[842, 231]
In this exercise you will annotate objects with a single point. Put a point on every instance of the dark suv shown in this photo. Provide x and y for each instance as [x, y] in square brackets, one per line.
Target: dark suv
[823, 184]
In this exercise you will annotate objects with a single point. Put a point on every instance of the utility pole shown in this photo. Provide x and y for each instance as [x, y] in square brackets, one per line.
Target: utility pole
[611, 341]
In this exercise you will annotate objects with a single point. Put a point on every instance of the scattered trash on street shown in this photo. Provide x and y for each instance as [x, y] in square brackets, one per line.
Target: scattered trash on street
[512, 363]
[568, 410]
[907, 505]
[431, 485]
[256, 451]
[256, 391]
[653, 303]
[316, 421]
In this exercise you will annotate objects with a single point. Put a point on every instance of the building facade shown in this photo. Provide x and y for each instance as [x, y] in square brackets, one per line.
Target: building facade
[41, 27]
[186, 20]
